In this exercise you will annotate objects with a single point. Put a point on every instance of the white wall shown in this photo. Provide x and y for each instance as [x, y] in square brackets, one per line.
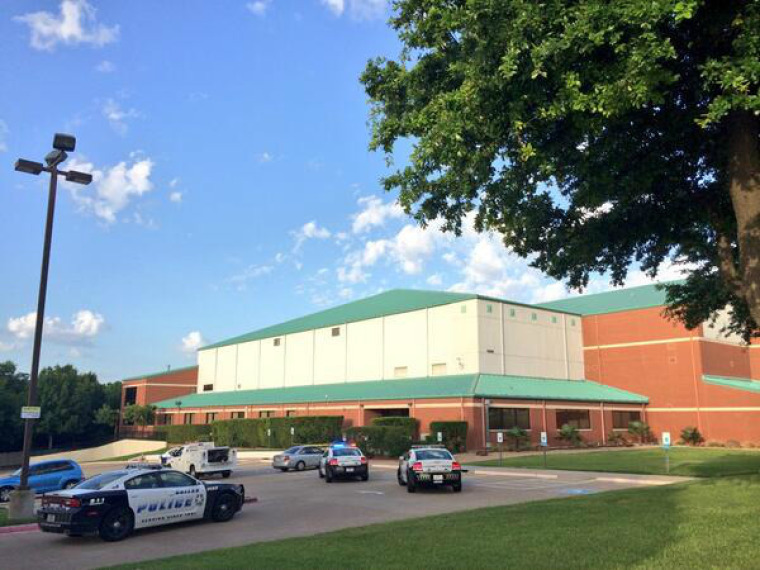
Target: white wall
[226, 368]
[299, 360]
[329, 355]
[206, 368]
[272, 364]
[249, 360]
[364, 350]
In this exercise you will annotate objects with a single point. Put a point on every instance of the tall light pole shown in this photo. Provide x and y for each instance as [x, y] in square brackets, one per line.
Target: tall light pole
[22, 500]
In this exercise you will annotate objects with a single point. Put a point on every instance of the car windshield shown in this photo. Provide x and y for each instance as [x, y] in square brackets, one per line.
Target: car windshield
[100, 481]
[293, 449]
[433, 454]
[346, 452]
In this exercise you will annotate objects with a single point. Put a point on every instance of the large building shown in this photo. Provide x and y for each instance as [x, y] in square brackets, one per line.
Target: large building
[597, 362]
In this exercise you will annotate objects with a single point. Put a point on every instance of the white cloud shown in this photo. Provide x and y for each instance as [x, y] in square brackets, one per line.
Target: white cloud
[173, 182]
[374, 213]
[264, 157]
[84, 326]
[176, 197]
[435, 280]
[310, 230]
[118, 117]
[357, 9]
[192, 342]
[259, 7]
[335, 6]
[113, 188]
[76, 24]
[3, 135]
[105, 66]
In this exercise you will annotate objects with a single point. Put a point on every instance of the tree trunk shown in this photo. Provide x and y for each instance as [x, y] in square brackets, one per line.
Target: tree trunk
[50, 441]
[743, 278]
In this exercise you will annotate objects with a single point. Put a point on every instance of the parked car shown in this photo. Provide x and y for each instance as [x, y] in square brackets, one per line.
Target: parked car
[429, 466]
[44, 477]
[115, 503]
[298, 457]
[343, 460]
[202, 458]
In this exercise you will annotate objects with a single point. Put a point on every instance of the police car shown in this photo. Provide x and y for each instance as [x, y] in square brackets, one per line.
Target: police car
[343, 460]
[432, 466]
[115, 503]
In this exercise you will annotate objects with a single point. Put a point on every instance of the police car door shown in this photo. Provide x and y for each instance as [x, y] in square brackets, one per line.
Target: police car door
[147, 498]
[187, 496]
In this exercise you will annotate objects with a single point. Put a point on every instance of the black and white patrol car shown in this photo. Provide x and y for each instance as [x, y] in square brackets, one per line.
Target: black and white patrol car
[429, 466]
[115, 503]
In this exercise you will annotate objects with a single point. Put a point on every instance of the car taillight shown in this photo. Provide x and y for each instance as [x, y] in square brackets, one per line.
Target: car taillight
[286, 457]
[72, 503]
[46, 501]
[364, 459]
[455, 466]
[417, 466]
[333, 462]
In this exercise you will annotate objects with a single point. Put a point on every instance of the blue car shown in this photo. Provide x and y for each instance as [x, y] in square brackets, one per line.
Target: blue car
[44, 476]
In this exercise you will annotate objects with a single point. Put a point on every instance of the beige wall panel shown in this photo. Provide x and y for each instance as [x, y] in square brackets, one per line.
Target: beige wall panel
[713, 330]
[226, 368]
[272, 368]
[329, 356]
[364, 340]
[299, 359]
[248, 365]
[206, 368]
[406, 344]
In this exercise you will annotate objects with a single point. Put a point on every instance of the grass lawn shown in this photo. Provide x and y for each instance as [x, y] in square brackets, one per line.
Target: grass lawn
[133, 455]
[704, 524]
[690, 462]
[4, 518]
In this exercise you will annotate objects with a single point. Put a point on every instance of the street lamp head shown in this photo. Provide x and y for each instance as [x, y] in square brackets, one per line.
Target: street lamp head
[28, 166]
[78, 177]
[55, 157]
[64, 142]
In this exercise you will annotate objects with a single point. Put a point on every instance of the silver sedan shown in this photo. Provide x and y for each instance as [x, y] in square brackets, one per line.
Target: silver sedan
[299, 457]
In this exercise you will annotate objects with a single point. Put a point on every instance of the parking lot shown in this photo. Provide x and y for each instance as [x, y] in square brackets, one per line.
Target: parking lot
[299, 503]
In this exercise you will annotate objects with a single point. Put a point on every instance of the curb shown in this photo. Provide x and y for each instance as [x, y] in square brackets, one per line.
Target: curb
[654, 482]
[19, 528]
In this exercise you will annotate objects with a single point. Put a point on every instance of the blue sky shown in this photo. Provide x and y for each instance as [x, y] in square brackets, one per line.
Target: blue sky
[233, 185]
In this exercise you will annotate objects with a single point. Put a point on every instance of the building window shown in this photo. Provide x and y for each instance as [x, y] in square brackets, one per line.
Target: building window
[572, 322]
[266, 414]
[188, 419]
[290, 414]
[507, 418]
[580, 419]
[208, 387]
[336, 331]
[533, 317]
[554, 320]
[277, 342]
[621, 420]
[210, 417]
[489, 308]
[512, 312]
[163, 419]
[237, 415]
[130, 396]
[400, 372]
[439, 369]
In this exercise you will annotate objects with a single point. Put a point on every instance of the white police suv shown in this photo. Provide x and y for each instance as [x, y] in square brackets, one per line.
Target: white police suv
[115, 503]
[431, 466]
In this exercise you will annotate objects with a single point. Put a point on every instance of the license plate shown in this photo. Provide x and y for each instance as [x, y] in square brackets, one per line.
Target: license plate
[51, 518]
[349, 469]
[437, 478]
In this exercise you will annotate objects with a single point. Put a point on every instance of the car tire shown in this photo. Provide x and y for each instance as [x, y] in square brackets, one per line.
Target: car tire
[300, 466]
[399, 479]
[321, 475]
[365, 477]
[116, 525]
[70, 484]
[457, 487]
[226, 474]
[191, 471]
[224, 507]
[328, 475]
[411, 486]
[284, 469]
[5, 494]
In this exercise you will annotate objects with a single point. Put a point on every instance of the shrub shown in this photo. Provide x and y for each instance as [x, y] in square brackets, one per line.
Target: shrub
[715, 444]
[253, 432]
[454, 435]
[617, 438]
[733, 443]
[516, 437]
[186, 433]
[640, 430]
[570, 434]
[411, 425]
[388, 441]
[691, 436]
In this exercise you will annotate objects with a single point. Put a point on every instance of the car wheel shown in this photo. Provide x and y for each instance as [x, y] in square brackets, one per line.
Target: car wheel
[192, 471]
[116, 525]
[321, 475]
[411, 486]
[365, 476]
[5, 494]
[300, 466]
[457, 487]
[226, 474]
[328, 475]
[224, 508]
[70, 484]
[399, 479]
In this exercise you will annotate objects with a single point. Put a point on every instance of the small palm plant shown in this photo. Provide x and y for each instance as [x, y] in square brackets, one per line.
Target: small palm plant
[570, 434]
[640, 430]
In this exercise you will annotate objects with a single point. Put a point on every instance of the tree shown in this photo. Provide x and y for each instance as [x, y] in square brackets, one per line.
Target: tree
[13, 388]
[589, 134]
[139, 415]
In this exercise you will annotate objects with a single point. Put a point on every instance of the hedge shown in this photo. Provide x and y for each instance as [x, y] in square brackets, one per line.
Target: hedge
[388, 441]
[185, 433]
[454, 435]
[253, 432]
[411, 425]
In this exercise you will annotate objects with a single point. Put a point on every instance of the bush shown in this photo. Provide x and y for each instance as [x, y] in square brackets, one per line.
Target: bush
[411, 425]
[640, 430]
[388, 441]
[454, 435]
[186, 433]
[570, 434]
[617, 438]
[253, 432]
[733, 443]
[691, 436]
[516, 437]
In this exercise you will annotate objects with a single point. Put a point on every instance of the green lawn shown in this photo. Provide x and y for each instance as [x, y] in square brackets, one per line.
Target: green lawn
[133, 455]
[691, 462]
[4, 518]
[711, 523]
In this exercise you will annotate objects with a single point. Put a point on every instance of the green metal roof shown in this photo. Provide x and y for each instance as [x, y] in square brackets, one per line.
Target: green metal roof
[456, 386]
[746, 384]
[629, 299]
[388, 303]
[162, 373]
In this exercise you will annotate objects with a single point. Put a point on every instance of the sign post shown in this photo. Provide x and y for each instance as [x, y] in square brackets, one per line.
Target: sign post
[544, 445]
[500, 440]
[666, 446]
